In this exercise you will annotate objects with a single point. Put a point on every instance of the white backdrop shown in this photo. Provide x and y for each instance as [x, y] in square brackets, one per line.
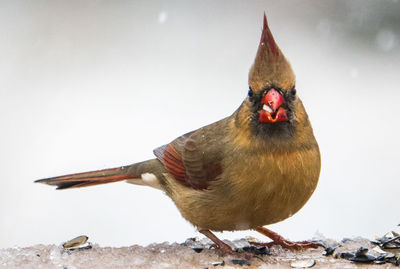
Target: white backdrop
[87, 85]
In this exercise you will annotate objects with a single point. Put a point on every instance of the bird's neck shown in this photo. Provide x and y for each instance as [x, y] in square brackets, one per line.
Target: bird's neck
[242, 133]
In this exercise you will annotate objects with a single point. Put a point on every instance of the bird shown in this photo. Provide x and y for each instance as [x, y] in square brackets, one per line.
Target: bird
[256, 167]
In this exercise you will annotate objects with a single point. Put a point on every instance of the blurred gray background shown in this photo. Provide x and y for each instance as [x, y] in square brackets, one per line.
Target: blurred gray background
[87, 85]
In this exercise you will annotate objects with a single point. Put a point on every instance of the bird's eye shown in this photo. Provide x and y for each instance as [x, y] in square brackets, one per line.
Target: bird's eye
[293, 91]
[250, 93]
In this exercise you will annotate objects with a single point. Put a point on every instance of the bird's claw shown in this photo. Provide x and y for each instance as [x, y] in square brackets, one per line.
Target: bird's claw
[288, 244]
[279, 240]
[226, 250]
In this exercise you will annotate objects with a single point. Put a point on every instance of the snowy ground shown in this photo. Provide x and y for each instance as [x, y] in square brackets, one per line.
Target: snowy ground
[166, 255]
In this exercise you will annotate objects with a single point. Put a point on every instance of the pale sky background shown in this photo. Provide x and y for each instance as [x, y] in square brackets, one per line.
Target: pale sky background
[87, 85]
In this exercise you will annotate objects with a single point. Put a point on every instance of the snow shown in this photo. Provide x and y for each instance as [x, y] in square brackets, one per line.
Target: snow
[168, 255]
[385, 40]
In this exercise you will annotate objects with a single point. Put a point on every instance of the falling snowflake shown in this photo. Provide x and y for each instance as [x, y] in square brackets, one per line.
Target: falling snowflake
[385, 40]
[162, 17]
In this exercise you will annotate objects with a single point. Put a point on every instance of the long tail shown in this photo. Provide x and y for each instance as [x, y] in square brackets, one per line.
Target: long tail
[89, 178]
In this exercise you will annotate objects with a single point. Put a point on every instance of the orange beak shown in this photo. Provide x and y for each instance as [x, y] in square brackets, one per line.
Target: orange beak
[272, 110]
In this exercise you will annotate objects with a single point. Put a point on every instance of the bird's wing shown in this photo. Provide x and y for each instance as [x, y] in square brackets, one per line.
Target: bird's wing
[191, 159]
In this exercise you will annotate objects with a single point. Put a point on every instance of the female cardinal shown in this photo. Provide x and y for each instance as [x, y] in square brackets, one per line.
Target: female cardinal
[256, 167]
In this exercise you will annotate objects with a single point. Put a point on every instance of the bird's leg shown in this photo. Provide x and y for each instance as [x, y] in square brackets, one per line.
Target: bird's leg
[225, 248]
[279, 240]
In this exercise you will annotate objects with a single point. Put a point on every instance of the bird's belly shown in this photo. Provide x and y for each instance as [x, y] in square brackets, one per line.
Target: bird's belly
[244, 209]
[247, 199]
[249, 211]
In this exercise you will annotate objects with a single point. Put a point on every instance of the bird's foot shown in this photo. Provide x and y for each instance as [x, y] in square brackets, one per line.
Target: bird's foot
[288, 244]
[220, 245]
[279, 240]
[224, 248]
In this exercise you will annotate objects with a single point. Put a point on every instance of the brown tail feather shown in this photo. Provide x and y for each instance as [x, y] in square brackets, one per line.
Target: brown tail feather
[88, 178]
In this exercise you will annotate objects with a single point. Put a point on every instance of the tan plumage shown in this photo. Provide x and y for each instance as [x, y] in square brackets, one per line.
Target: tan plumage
[257, 167]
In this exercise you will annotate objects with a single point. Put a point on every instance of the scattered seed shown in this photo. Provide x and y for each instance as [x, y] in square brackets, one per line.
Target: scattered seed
[198, 250]
[363, 258]
[241, 262]
[218, 263]
[329, 250]
[361, 251]
[258, 250]
[76, 242]
[303, 264]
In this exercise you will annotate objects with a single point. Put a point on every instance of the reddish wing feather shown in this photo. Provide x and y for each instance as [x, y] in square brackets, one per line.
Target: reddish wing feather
[172, 161]
[186, 163]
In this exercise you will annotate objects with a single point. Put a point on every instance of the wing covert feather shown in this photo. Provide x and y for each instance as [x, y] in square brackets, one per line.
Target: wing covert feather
[186, 160]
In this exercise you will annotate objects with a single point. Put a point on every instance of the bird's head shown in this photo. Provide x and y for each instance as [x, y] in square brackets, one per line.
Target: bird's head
[272, 101]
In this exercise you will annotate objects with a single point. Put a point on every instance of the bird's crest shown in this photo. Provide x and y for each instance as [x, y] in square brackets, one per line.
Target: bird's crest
[270, 66]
